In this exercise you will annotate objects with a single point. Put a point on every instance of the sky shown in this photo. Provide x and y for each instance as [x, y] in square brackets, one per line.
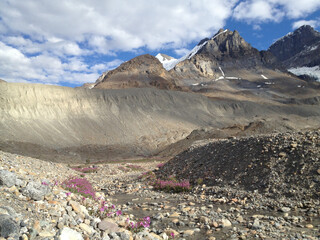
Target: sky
[71, 42]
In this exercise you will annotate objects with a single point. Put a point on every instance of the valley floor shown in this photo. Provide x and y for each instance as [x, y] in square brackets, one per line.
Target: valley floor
[33, 205]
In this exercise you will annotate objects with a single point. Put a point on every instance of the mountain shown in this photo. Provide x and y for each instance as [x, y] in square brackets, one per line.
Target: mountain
[224, 66]
[139, 72]
[225, 55]
[299, 52]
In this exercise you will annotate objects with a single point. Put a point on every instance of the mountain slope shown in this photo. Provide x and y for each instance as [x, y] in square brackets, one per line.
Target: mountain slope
[62, 124]
[141, 71]
[299, 51]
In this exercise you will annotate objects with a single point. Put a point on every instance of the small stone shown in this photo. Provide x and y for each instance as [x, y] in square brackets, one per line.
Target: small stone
[294, 145]
[70, 234]
[204, 220]
[47, 234]
[174, 215]
[171, 231]
[285, 209]
[86, 228]
[24, 237]
[225, 223]
[188, 233]
[75, 206]
[318, 171]
[60, 225]
[256, 224]
[105, 225]
[282, 154]
[175, 220]
[310, 226]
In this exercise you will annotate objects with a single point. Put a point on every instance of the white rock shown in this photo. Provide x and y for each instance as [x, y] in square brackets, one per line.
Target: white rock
[69, 234]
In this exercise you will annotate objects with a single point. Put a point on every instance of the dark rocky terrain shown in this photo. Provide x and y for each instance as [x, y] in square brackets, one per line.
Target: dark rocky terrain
[279, 165]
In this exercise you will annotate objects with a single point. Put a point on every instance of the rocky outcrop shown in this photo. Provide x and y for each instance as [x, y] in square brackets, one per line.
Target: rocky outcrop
[225, 52]
[294, 48]
[142, 71]
[299, 52]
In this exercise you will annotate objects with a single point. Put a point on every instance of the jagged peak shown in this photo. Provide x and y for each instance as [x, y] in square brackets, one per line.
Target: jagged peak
[303, 30]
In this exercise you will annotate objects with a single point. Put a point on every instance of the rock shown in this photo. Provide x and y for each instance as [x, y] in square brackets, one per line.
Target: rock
[158, 216]
[171, 231]
[35, 190]
[7, 178]
[310, 226]
[106, 225]
[88, 229]
[164, 236]
[188, 233]
[204, 220]
[225, 223]
[256, 224]
[75, 206]
[8, 226]
[70, 234]
[125, 235]
[318, 171]
[282, 154]
[285, 209]
[174, 215]
[7, 211]
[47, 234]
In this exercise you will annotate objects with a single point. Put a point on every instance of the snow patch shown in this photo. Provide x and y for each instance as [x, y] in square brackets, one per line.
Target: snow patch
[169, 64]
[264, 77]
[221, 71]
[311, 71]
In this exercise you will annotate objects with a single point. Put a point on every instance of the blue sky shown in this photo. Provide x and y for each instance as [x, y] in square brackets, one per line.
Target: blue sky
[72, 42]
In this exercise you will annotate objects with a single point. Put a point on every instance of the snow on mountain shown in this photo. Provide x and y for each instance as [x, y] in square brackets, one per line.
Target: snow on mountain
[167, 61]
[168, 64]
[311, 71]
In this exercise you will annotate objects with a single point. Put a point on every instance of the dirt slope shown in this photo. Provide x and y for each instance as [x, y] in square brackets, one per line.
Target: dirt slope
[105, 124]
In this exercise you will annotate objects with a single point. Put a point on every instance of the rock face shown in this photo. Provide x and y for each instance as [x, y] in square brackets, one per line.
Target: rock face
[142, 71]
[299, 51]
[222, 54]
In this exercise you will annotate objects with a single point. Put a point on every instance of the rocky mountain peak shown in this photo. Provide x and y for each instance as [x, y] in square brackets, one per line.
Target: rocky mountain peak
[225, 42]
[295, 42]
[142, 71]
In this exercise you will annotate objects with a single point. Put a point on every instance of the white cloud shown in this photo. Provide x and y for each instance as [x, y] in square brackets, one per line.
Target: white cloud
[254, 11]
[182, 51]
[116, 24]
[43, 68]
[312, 23]
[257, 11]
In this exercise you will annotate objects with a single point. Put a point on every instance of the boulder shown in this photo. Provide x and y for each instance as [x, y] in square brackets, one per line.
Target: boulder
[8, 226]
[35, 190]
[7, 178]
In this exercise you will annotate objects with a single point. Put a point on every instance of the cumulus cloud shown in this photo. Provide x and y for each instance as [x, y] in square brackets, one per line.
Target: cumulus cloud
[182, 51]
[312, 23]
[116, 25]
[274, 10]
[17, 67]
[54, 36]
